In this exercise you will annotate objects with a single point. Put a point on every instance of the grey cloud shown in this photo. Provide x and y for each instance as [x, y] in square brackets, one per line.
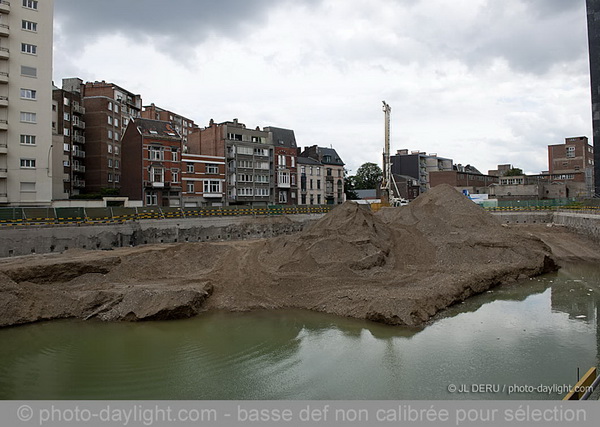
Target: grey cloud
[178, 23]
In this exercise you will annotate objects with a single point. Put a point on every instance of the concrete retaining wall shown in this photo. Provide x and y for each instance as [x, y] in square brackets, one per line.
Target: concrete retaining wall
[583, 223]
[41, 240]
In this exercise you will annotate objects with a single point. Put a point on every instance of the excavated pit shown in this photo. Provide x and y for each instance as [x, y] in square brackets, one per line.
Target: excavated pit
[400, 266]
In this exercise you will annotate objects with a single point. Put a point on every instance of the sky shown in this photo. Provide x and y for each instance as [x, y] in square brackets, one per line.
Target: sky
[484, 82]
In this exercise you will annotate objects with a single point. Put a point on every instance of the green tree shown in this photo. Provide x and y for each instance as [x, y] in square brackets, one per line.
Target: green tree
[349, 186]
[514, 172]
[368, 176]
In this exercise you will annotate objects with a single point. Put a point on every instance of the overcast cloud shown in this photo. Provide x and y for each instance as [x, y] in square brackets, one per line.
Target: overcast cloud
[480, 81]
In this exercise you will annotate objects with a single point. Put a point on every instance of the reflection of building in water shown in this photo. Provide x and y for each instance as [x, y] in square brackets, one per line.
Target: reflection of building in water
[575, 301]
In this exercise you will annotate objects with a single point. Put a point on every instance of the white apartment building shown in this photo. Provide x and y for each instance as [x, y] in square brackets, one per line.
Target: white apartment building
[26, 102]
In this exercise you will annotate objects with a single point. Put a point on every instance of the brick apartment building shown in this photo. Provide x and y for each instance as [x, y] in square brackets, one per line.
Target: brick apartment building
[203, 180]
[418, 165]
[108, 110]
[183, 125]
[69, 152]
[572, 161]
[285, 174]
[152, 151]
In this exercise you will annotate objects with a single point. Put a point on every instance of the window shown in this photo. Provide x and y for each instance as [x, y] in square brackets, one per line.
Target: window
[117, 164]
[27, 163]
[311, 184]
[158, 175]
[117, 150]
[28, 71]
[293, 159]
[318, 171]
[318, 185]
[28, 117]
[190, 187]
[261, 152]
[116, 122]
[318, 199]
[174, 154]
[110, 134]
[175, 175]
[29, 48]
[110, 177]
[110, 120]
[245, 150]
[66, 101]
[30, 4]
[116, 136]
[66, 163]
[66, 148]
[264, 179]
[28, 94]
[247, 192]
[151, 199]
[303, 170]
[212, 169]
[67, 117]
[284, 177]
[570, 151]
[28, 139]
[234, 136]
[110, 163]
[258, 139]
[156, 153]
[66, 131]
[190, 168]
[282, 197]
[245, 164]
[117, 109]
[110, 106]
[262, 165]
[110, 147]
[281, 160]
[213, 187]
[117, 178]
[28, 25]
[262, 192]
[293, 178]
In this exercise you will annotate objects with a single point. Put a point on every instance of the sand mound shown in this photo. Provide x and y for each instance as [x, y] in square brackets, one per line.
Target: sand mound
[400, 266]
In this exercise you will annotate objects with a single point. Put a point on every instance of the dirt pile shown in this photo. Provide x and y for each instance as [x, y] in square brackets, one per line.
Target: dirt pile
[400, 266]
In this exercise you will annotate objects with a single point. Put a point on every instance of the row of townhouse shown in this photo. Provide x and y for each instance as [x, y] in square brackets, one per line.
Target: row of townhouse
[225, 164]
[61, 143]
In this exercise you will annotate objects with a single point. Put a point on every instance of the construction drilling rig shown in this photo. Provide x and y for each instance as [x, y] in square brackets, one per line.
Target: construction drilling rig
[386, 187]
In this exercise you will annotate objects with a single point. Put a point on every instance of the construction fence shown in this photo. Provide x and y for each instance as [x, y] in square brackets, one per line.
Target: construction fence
[112, 215]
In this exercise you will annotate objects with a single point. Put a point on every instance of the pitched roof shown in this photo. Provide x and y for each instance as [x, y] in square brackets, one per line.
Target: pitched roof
[330, 157]
[282, 137]
[308, 161]
[156, 128]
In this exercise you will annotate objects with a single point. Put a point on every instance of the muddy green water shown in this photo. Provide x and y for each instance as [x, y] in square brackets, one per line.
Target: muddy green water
[535, 333]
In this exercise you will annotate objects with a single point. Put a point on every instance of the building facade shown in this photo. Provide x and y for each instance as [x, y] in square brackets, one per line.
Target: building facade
[249, 157]
[574, 158]
[108, 110]
[203, 180]
[311, 190]
[463, 180]
[68, 149]
[26, 33]
[285, 173]
[330, 175]
[418, 165]
[152, 151]
[593, 20]
[183, 125]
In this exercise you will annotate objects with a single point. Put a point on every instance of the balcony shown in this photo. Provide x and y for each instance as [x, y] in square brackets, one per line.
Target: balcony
[79, 168]
[3, 173]
[3, 101]
[212, 195]
[78, 109]
[4, 30]
[4, 53]
[3, 149]
[3, 198]
[79, 153]
[79, 139]
[3, 124]
[79, 183]
[4, 6]
[3, 78]
[79, 124]
[284, 185]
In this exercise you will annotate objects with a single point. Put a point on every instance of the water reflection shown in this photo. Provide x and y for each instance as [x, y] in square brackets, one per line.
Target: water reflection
[528, 333]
